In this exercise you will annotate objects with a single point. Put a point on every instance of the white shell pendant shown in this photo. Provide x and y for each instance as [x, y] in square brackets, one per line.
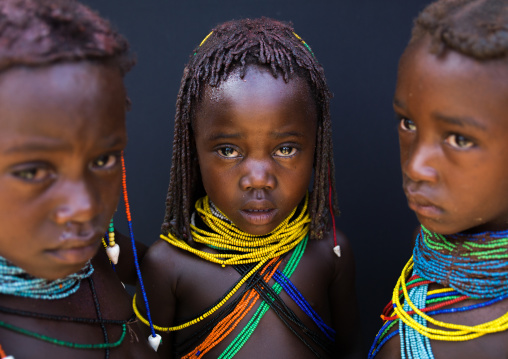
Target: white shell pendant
[336, 250]
[113, 253]
[155, 341]
[9, 357]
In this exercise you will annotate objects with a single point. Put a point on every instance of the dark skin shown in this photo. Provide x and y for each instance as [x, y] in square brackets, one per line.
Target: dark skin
[62, 131]
[452, 133]
[255, 141]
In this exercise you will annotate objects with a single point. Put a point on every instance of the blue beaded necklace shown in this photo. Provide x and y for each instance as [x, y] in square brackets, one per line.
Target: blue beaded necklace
[413, 345]
[304, 305]
[16, 281]
[474, 264]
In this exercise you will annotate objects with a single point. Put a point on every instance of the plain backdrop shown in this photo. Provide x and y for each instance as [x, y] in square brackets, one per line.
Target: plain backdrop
[358, 42]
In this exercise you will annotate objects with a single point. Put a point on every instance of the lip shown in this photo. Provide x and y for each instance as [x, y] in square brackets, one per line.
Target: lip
[75, 249]
[422, 206]
[259, 212]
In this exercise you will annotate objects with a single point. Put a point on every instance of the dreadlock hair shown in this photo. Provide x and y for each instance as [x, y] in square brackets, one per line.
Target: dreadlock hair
[474, 28]
[42, 32]
[233, 46]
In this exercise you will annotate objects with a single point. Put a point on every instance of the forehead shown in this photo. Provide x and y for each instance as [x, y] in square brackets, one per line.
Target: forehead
[60, 100]
[452, 83]
[258, 91]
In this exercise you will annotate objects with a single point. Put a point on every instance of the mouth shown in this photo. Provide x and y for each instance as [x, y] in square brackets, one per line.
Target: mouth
[75, 249]
[259, 215]
[423, 207]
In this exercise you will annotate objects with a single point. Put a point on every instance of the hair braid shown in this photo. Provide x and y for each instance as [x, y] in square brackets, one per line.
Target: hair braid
[232, 46]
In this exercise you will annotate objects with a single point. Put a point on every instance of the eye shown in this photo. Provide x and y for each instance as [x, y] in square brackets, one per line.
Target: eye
[286, 151]
[228, 152]
[106, 162]
[459, 141]
[33, 174]
[407, 125]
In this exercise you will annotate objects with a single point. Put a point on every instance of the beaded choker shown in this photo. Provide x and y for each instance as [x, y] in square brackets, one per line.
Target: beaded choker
[250, 248]
[16, 281]
[474, 264]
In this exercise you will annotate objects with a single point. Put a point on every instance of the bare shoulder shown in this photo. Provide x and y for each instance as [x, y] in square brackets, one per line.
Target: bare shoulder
[334, 250]
[335, 271]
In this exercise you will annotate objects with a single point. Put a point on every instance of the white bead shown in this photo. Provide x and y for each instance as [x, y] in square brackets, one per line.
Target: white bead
[113, 253]
[336, 249]
[9, 357]
[155, 341]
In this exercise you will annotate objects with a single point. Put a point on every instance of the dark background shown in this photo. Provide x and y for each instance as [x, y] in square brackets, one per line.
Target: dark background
[358, 42]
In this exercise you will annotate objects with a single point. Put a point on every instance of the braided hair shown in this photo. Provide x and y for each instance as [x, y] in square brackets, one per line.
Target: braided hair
[42, 32]
[233, 46]
[474, 28]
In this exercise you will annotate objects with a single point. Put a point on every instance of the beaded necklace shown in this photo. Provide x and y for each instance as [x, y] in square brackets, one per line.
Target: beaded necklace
[16, 281]
[474, 264]
[432, 253]
[251, 248]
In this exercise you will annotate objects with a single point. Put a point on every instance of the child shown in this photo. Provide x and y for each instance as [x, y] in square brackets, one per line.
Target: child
[451, 100]
[252, 126]
[62, 132]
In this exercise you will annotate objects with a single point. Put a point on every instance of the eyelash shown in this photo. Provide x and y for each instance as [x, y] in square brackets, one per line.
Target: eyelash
[37, 173]
[452, 139]
[114, 155]
[293, 152]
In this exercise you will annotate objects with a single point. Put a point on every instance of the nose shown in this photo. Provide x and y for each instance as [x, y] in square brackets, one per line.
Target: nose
[419, 162]
[259, 175]
[77, 203]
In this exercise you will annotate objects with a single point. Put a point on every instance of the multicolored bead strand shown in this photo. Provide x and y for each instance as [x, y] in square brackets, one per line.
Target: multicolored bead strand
[112, 249]
[3, 355]
[155, 338]
[16, 281]
[336, 247]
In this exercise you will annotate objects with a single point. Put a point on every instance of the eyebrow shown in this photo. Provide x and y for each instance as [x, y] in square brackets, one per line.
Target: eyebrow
[398, 103]
[42, 146]
[459, 121]
[223, 136]
[47, 145]
[278, 135]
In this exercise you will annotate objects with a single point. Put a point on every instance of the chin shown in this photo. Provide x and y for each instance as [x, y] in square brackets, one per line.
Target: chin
[441, 227]
[57, 273]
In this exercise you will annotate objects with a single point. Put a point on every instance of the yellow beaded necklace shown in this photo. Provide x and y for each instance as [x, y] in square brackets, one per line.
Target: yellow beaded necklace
[455, 332]
[252, 248]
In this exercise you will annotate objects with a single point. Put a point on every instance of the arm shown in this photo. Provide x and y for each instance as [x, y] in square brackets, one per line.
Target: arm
[159, 277]
[343, 302]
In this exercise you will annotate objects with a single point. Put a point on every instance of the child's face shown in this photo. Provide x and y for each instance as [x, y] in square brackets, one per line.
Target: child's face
[255, 140]
[62, 130]
[453, 133]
